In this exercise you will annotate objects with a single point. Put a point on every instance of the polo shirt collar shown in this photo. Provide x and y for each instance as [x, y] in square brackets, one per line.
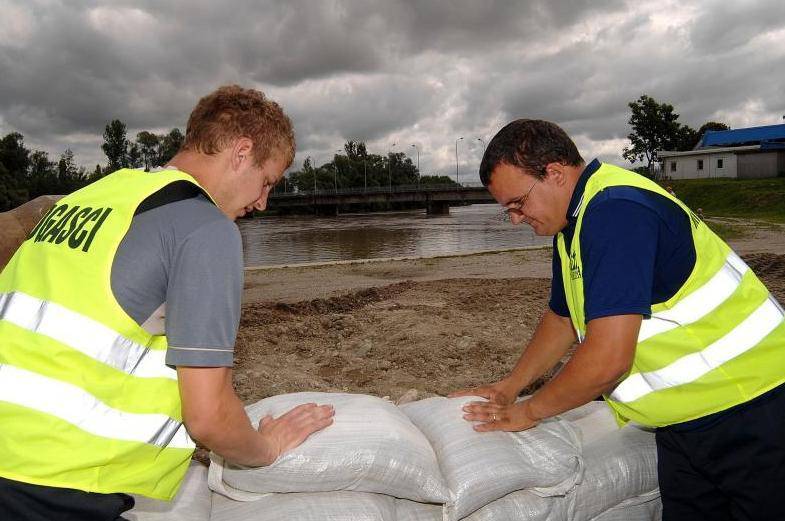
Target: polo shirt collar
[577, 195]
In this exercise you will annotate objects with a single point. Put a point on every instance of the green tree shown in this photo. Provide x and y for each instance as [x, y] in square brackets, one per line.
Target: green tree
[134, 156]
[654, 127]
[115, 145]
[12, 192]
[168, 145]
[14, 155]
[148, 146]
[437, 180]
[70, 177]
[43, 175]
[96, 174]
[685, 139]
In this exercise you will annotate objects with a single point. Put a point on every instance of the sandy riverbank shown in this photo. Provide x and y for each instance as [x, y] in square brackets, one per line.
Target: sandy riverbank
[434, 325]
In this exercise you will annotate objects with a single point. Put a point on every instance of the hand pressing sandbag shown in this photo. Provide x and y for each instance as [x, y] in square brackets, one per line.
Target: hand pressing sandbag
[482, 467]
[371, 447]
[621, 467]
[310, 506]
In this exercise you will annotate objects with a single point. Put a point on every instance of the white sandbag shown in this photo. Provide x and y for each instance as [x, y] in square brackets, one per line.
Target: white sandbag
[648, 511]
[371, 447]
[594, 420]
[482, 467]
[192, 502]
[620, 467]
[310, 506]
[406, 510]
[523, 505]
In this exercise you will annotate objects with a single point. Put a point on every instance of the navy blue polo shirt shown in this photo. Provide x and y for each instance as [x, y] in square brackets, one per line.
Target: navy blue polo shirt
[636, 249]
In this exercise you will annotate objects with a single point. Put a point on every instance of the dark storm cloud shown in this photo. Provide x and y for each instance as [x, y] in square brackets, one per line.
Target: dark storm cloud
[386, 70]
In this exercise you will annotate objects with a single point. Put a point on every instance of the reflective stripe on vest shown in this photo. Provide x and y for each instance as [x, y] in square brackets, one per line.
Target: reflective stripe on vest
[83, 334]
[689, 368]
[83, 410]
[700, 302]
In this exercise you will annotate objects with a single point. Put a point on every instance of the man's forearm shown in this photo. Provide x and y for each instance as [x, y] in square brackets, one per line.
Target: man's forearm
[551, 340]
[214, 416]
[594, 369]
[233, 437]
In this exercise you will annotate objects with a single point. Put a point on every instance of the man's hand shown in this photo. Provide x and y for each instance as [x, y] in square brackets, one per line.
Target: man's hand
[292, 428]
[498, 417]
[501, 392]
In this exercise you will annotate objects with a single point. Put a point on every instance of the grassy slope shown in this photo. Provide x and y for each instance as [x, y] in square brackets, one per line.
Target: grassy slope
[747, 198]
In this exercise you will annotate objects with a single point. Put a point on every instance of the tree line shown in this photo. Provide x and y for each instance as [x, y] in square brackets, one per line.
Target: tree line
[356, 168]
[26, 174]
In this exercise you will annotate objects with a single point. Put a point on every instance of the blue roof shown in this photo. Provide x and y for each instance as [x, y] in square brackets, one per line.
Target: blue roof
[742, 136]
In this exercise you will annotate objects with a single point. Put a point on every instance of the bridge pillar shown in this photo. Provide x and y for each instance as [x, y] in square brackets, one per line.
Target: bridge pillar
[437, 208]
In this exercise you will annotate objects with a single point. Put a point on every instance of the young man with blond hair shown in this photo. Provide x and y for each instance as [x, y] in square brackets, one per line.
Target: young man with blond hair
[118, 317]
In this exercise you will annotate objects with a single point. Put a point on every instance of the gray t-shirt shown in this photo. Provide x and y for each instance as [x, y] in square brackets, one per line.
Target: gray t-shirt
[179, 271]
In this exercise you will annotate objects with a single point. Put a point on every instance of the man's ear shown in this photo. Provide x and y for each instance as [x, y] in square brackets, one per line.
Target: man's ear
[555, 172]
[241, 151]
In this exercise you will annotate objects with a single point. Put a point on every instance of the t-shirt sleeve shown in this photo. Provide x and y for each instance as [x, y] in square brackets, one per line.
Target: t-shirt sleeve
[618, 249]
[203, 297]
[558, 301]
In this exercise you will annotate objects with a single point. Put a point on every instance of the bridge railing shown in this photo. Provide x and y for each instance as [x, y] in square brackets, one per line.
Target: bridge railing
[375, 190]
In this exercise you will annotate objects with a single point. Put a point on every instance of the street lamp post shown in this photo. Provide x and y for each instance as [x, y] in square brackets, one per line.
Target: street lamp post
[418, 164]
[389, 163]
[365, 173]
[335, 164]
[456, 160]
[481, 140]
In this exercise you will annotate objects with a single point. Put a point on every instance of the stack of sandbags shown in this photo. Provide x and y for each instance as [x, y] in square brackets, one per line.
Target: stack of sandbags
[619, 481]
[481, 468]
[16, 224]
[379, 462]
[193, 501]
[352, 470]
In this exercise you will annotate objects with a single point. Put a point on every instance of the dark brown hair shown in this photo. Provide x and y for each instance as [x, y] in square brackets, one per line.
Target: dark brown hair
[530, 144]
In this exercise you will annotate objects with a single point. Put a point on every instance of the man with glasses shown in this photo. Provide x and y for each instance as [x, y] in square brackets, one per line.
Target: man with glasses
[673, 328]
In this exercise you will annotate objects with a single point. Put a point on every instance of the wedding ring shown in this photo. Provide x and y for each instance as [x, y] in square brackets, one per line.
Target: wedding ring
[493, 418]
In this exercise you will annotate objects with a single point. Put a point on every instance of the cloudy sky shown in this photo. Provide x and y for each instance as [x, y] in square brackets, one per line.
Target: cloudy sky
[388, 71]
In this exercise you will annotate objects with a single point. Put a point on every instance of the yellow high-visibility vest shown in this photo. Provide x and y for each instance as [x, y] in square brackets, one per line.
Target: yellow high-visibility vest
[718, 342]
[86, 400]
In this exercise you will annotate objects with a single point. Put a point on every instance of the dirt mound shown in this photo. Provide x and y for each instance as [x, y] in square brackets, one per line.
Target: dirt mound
[766, 264]
[434, 336]
[770, 268]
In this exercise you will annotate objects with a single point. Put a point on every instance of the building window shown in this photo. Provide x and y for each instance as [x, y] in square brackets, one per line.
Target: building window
[673, 166]
[700, 164]
[719, 163]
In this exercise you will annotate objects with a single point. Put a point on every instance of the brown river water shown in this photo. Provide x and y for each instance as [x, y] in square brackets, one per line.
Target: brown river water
[286, 240]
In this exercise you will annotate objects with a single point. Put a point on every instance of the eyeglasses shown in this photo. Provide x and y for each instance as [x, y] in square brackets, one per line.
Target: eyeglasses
[516, 205]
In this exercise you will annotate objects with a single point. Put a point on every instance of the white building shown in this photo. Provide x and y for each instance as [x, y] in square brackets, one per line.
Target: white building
[742, 153]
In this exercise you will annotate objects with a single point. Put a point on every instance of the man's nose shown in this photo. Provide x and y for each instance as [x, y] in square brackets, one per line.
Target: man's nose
[261, 203]
[516, 218]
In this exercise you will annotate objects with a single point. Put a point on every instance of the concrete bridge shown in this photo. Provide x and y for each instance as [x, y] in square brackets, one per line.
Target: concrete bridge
[435, 198]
